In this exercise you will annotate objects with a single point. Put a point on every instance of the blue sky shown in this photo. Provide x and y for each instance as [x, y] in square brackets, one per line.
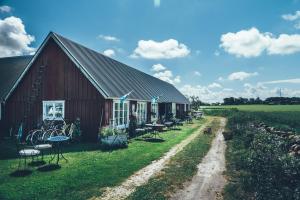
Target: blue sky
[212, 48]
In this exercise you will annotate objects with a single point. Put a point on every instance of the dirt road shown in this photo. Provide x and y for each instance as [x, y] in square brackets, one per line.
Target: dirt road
[209, 181]
[142, 176]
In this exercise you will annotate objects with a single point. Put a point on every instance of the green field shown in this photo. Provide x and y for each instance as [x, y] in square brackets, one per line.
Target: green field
[264, 108]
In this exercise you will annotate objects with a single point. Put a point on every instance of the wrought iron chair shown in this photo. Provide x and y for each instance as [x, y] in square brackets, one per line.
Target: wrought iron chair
[24, 151]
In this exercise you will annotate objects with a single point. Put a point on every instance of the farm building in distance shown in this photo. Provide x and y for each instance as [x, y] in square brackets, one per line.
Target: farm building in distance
[67, 80]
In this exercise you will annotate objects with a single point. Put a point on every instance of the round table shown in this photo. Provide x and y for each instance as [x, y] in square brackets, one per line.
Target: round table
[56, 142]
[156, 128]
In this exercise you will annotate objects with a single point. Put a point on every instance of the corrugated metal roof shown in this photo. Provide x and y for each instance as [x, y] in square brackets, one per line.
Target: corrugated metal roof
[117, 79]
[10, 70]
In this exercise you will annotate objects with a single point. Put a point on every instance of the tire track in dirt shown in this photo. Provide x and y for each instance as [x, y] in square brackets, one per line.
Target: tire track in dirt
[209, 181]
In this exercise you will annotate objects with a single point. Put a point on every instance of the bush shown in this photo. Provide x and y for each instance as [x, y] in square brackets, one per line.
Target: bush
[258, 160]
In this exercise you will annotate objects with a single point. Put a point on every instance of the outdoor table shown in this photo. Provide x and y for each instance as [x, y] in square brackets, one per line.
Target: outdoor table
[156, 128]
[168, 124]
[56, 141]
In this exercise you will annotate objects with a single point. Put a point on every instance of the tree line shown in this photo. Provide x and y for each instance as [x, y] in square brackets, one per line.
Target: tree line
[196, 102]
[269, 101]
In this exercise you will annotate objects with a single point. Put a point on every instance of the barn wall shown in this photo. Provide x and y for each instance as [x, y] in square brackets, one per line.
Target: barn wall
[62, 81]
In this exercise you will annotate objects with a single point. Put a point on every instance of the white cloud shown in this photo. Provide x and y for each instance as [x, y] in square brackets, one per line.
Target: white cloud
[156, 3]
[252, 43]
[167, 76]
[5, 8]
[291, 17]
[249, 91]
[108, 38]
[109, 52]
[205, 94]
[167, 49]
[158, 67]
[215, 85]
[246, 43]
[285, 44]
[13, 38]
[196, 73]
[241, 76]
[295, 81]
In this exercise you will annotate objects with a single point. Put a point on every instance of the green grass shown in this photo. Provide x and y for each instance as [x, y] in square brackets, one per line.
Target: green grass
[181, 168]
[264, 108]
[88, 171]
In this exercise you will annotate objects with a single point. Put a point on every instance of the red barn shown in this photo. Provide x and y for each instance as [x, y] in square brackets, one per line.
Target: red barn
[67, 80]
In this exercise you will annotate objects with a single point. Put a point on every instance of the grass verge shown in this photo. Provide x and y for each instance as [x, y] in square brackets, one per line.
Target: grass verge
[181, 168]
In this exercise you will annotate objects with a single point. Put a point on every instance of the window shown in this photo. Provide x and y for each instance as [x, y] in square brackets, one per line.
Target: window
[53, 110]
[141, 112]
[121, 114]
[154, 111]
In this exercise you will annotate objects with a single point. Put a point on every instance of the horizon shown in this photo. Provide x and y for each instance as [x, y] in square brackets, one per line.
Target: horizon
[247, 49]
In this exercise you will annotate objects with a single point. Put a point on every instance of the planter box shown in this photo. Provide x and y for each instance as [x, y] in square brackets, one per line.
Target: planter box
[114, 140]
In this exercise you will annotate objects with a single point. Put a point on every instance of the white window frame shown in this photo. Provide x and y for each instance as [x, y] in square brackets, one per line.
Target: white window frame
[154, 109]
[45, 103]
[116, 123]
[141, 111]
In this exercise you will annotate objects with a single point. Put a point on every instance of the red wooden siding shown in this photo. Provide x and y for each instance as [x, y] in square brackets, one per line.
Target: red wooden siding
[62, 81]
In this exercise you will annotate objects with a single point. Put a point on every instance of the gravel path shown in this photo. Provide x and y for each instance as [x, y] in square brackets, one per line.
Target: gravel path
[142, 176]
[209, 181]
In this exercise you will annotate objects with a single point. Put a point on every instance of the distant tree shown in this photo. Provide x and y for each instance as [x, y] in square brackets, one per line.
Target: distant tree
[270, 101]
[196, 102]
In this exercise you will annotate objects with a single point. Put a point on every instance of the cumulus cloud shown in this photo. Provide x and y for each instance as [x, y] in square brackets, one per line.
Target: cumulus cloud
[214, 85]
[5, 9]
[158, 67]
[108, 38]
[205, 94]
[285, 44]
[291, 17]
[167, 49]
[241, 76]
[246, 43]
[248, 91]
[165, 74]
[196, 73]
[252, 43]
[14, 40]
[109, 52]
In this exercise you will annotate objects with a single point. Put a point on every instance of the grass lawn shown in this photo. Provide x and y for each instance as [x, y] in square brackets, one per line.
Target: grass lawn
[88, 171]
[264, 108]
[181, 168]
